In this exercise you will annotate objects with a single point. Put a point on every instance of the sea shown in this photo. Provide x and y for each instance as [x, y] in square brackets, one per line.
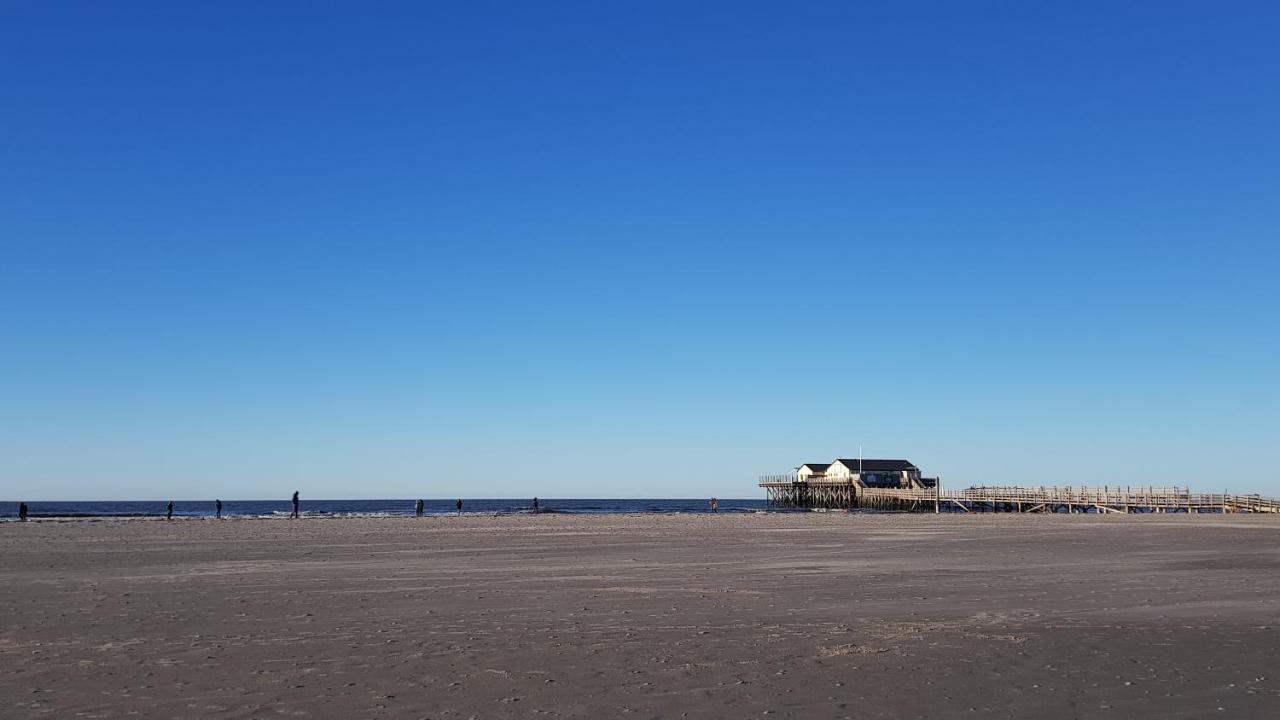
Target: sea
[368, 508]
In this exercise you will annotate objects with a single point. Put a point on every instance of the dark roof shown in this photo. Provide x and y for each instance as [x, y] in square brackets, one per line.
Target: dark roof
[819, 467]
[874, 465]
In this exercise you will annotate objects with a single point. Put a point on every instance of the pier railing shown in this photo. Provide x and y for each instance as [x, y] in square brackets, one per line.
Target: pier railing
[783, 491]
[1067, 499]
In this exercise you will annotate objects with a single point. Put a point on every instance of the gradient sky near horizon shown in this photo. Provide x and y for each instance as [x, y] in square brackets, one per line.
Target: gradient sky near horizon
[634, 249]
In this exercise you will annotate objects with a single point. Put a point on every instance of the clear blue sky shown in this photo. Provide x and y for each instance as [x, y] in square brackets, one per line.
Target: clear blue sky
[634, 249]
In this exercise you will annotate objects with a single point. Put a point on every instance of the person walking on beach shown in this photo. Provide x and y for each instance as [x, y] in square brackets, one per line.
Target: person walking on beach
[217, 509]
[295, 505]
[22, 512]
[168, 511]
[417, 508]
[715, 505]
[459, 505]
[535, 505]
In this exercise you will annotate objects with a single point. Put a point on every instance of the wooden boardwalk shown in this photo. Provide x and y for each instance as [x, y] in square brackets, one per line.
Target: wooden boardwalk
[1103, 500]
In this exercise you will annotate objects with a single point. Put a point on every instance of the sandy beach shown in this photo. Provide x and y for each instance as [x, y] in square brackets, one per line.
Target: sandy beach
[796, 615]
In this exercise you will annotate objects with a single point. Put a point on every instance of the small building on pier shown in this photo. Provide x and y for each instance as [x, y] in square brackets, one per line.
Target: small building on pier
[809, 471]
[875, 472]
[838, 484]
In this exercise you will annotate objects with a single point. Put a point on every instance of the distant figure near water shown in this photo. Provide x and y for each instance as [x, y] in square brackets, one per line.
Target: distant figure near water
[535, 505]
[217, 509]
[168, 511]
[459, 504]
[715, 505]
[295, 505]
[22, 512]
[417, 508]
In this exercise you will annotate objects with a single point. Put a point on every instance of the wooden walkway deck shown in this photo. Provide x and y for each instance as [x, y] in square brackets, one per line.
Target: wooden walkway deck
[1014, 499]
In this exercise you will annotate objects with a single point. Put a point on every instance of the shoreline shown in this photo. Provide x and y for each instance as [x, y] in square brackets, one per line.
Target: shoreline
[411, 516]
[426, 517]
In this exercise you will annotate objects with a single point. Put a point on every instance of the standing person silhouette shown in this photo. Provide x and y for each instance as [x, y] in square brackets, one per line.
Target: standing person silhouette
[295, 505]
[535, 505]
[217, 507]
[459, 506]
[417, 508]
[168, 511]
[22, 511]
[715, 505]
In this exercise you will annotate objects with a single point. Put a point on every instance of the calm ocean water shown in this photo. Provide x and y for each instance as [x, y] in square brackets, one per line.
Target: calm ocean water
[366, 508]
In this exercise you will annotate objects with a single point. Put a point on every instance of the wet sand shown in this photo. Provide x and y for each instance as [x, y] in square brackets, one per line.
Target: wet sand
[805, 615]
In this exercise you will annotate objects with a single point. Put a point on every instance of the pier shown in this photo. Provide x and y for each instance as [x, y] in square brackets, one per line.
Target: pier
[784, 492]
